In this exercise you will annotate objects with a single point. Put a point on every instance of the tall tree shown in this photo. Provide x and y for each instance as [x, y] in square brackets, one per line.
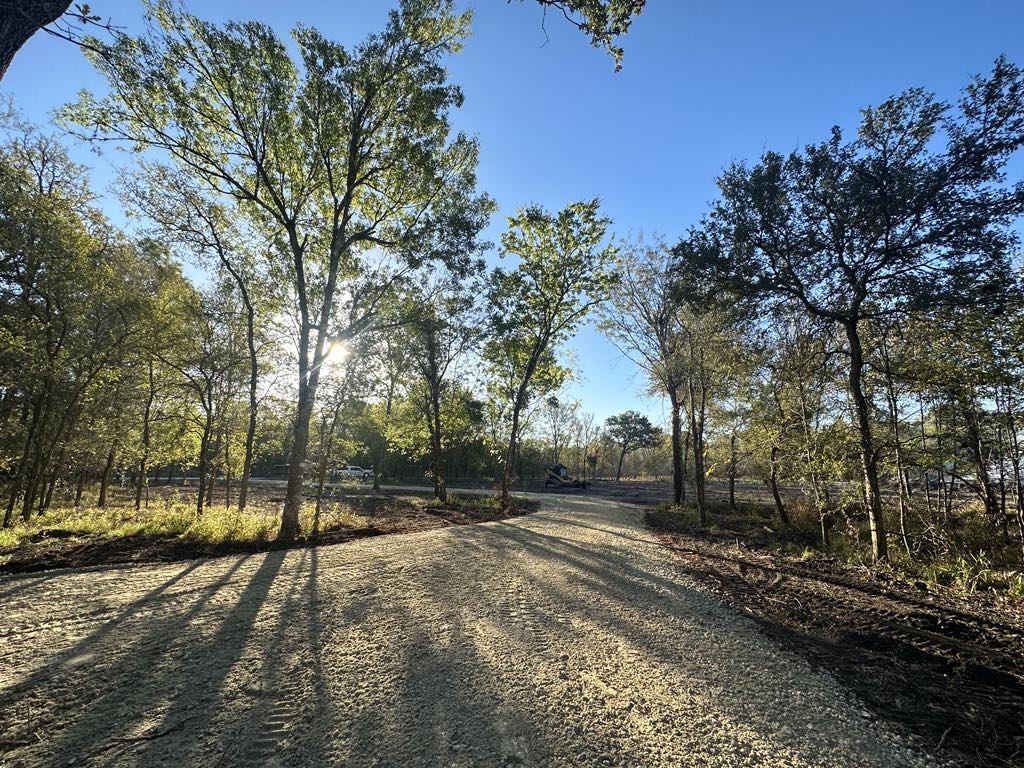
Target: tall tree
[565, 268]
[202, 226]
[443, 329]
[631, 431]
[913, 213]
[642, 318]
[346, 156]
[72, 300]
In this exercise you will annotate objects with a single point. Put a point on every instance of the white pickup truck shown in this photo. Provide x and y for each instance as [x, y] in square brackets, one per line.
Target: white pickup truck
[353, 471]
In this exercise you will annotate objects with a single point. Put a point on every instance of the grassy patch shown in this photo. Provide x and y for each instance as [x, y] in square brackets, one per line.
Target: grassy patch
[757, 525]
[168, 529]
[170, 518]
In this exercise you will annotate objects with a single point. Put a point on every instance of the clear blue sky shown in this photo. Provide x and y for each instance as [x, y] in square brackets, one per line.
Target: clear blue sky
[703, 82]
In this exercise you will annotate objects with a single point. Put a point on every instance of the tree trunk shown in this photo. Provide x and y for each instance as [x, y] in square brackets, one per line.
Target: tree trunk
[677, 447]
[204, 458]
[436, 455]
[19, 476]
[622, 456]
[924, 449]
[988, 492]
[869, 466]
[34, 467]
[227, 469]
[20, 20]
[773, 484]
[433, 381]
[696, 430]
[506, 474]
[821, 497]
[211, 485]
[40, 411]
[297, 462]
[145, 441]
[44, 503]
[1001, 448]
[101, 501]
[894, 424]
[80, 487]
[1018, 476]
[250, 432]
[686, 461]
[733, 461]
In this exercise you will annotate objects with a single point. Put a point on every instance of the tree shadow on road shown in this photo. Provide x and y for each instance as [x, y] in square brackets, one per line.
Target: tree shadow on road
[634, 600]
[131, 688]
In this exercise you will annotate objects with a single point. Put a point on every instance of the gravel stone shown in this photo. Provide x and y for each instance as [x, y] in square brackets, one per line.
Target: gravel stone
[569, 637]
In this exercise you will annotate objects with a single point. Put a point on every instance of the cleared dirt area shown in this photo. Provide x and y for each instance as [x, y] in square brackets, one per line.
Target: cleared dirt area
[568, 637]
[946, 667]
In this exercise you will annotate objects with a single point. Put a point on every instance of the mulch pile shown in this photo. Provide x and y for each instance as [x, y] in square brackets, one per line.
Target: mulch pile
[944, 667]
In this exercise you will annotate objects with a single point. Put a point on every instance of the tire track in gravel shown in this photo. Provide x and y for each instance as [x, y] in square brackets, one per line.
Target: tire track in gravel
[564, 638]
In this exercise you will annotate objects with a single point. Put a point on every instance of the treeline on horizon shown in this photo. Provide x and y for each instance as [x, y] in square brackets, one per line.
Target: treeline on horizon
[846, 319]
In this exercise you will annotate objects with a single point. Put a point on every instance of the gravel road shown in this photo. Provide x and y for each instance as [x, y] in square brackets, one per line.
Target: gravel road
[563, 638]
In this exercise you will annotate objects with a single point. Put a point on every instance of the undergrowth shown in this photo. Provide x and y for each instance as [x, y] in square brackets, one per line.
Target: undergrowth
[171, 518]
[957, 560]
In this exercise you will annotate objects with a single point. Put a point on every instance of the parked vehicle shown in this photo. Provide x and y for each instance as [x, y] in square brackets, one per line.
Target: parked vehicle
[353, 471]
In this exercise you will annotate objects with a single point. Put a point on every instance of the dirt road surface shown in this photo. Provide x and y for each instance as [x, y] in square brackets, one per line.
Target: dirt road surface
[564, 638]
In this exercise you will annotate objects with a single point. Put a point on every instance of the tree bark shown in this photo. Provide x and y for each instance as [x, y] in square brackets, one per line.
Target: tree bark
[227, 469]
[204, 447]
[309, 381]
[44, 503]
[696, 432]
[433, 381]
[1018, 477]
[988, 492]
[924, 449]
[733, 461]
[101, 501]
[904, 487]
[506, 474]
[773, 484]
[19, 476]
[20, 19]
[145, 441]
[250, 432]
[80, 487]
[868, 459]
[437, 456]
[28, 474]
[686, 461]
[211, 485]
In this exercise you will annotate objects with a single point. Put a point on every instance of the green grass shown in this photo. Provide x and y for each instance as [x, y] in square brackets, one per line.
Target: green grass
[962, 565]
[172, 518]
[973, 573]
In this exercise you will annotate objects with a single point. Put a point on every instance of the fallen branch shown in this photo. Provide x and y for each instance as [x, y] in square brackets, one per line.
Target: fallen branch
[119, 741]
[154, 734]
[942, 741]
